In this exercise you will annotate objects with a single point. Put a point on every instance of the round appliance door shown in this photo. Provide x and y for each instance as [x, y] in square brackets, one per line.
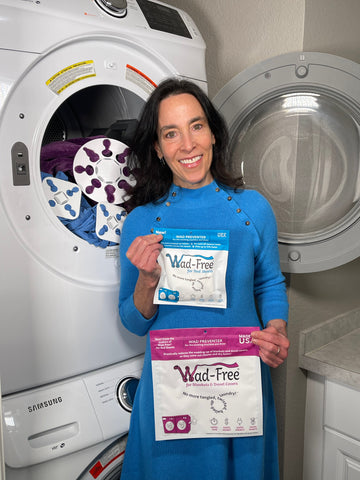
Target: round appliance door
[294, 124]
[65, 129]
[108, 464]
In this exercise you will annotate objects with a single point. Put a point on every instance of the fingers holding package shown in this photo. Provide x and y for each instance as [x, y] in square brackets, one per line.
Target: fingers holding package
[273, 343]
[143, 254]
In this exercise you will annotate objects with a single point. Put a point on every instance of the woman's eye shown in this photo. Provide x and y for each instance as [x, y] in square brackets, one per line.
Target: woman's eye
[170, 134]
[197, 126]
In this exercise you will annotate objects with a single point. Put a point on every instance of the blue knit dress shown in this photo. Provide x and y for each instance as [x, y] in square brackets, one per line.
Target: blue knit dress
[255, 287]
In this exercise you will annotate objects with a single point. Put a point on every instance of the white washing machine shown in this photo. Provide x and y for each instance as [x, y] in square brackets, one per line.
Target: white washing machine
[73, 429]
[73, 79]
[294, 123]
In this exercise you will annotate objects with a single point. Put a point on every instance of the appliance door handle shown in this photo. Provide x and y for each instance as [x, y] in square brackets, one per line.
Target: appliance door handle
[53, 435]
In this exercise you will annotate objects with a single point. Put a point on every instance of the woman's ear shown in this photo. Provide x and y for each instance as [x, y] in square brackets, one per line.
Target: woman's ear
[158, 150]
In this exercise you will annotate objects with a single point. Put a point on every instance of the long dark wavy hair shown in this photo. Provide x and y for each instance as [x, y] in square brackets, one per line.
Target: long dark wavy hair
[154, 179]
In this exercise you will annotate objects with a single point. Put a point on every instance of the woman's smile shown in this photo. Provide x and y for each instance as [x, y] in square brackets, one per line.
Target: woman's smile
[190, 161]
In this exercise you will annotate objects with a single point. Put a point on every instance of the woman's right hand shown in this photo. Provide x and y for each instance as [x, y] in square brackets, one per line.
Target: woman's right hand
[143, 254]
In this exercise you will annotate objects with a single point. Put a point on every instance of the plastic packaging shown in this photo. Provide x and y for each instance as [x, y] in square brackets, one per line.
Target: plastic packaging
[193, 267]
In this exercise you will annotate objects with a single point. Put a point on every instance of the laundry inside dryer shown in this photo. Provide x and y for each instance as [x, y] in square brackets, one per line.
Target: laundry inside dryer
[83, 161]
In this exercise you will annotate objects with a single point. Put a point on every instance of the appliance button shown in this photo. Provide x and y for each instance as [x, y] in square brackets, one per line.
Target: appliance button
[125, 392]
[301, 71]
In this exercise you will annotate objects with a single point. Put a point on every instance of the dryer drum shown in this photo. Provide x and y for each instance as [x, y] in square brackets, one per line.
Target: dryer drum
[294, 124]
[56, 130]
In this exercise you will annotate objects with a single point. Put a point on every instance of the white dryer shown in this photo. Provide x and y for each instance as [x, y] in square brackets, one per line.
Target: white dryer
[74, 77]
[294, 123]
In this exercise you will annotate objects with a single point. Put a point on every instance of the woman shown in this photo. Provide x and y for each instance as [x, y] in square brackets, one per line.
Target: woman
[180, 153]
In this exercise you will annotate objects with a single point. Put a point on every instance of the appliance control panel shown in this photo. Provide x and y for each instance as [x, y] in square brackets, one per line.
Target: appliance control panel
[51, 421]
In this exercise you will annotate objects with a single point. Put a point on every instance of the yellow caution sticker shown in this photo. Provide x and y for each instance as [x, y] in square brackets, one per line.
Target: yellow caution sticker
[70, 75]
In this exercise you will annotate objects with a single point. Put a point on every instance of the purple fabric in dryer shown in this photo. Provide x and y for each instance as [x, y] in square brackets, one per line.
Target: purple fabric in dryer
[59, 156]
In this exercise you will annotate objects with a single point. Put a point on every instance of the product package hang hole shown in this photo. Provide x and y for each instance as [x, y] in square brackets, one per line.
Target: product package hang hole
[193, 267]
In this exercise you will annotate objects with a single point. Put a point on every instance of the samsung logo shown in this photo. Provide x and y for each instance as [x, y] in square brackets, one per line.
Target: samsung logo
[47, 403]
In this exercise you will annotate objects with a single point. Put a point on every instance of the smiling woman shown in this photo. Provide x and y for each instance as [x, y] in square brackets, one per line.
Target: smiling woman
[154, 176]
[202, 284]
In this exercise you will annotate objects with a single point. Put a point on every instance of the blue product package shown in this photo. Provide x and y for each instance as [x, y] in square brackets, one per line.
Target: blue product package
[193, 267]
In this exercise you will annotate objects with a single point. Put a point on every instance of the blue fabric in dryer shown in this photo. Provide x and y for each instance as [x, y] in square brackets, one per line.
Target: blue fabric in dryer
[84, 225]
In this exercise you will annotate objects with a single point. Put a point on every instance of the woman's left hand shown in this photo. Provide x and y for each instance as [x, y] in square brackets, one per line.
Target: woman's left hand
[273, 342]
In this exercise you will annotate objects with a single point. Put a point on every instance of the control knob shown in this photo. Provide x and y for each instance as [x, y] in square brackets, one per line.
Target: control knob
[125, 392]
[116, 8]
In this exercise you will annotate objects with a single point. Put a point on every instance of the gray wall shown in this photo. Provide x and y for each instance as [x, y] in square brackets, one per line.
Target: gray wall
[333, 27]
[241, 33]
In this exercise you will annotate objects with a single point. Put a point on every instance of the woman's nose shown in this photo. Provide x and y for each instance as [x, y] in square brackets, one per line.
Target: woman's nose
[187, 141]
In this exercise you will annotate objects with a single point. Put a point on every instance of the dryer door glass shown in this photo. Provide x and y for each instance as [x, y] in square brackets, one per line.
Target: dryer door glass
[301, 151]
[83, 163]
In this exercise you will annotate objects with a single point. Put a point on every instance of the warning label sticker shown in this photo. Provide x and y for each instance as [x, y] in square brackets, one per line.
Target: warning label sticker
[139, 78]
[70, 75]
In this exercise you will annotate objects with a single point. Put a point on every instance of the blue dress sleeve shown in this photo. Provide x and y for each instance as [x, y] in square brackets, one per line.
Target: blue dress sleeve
[130, 316]
[269, 282]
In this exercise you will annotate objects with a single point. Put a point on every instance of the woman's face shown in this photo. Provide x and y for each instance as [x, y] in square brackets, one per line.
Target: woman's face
[185, 140]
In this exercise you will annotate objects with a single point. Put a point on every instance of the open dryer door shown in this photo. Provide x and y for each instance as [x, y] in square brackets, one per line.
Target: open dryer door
[294, 123]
